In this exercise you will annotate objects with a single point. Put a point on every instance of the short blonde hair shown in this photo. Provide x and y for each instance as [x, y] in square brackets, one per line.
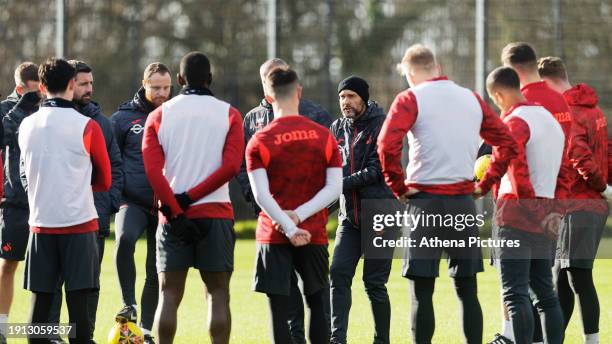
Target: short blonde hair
[417, 56]
[155, 67]
[552, 67]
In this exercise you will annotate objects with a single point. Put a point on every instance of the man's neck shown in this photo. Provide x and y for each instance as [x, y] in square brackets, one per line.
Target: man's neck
[529, 78]
[564, 86]
[515, 99]
[285, 112]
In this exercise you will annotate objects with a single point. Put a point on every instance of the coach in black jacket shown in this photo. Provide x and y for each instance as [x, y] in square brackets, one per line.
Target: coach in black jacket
[357, 132]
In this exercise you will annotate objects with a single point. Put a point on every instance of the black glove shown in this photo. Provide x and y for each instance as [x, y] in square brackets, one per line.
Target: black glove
[166, 211]
[183, 228]
[183, 200]
[29, 102]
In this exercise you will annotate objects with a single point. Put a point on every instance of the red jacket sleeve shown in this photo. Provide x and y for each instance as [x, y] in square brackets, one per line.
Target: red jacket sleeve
[609, 161]
[581, 156]
[154, 161]
[94, 142]
[496, 134]
[233, 152]
[564, 180]
[401, 118]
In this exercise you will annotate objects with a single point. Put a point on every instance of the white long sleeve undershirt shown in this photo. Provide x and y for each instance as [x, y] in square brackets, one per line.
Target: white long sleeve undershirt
[261, 193]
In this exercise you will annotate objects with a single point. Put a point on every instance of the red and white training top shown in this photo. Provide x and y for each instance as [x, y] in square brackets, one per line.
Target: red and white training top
[533, 175]
[296, 154]
[553, 101]
[194, 143]
[61, 150]
[443, 122]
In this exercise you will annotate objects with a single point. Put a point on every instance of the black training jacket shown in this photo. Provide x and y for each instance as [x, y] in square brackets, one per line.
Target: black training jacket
[128, 124]
[361, 167]
[14, 193]
[107, 203]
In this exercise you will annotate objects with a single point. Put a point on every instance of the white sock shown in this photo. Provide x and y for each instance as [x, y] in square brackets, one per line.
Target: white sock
[507, 330]
[135, 306]
[591, 338]
[3, 321]
[145, 331]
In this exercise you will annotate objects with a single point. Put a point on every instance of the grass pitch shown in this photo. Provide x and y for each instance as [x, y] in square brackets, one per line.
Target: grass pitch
[250, 311]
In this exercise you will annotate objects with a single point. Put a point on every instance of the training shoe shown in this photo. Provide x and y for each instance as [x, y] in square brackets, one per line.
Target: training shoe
[127, 314]
[499, 339]
[57, 341]
[148, 339]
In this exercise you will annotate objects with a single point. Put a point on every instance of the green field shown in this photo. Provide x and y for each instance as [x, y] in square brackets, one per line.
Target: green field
[250, 312]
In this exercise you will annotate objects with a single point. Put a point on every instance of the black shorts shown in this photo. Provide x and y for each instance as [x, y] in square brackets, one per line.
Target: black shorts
[14, 232]
[276, 262]
[72, 258]
[579, 239]
[424, 260]
[211, 251]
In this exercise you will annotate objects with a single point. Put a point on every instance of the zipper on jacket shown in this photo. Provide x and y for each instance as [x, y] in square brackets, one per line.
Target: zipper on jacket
[355, 205]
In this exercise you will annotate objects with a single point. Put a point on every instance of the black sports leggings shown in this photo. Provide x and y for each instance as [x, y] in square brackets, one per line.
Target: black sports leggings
[318, 330]
[130, 223]
[423, 319]
[77, 312]
[579, 282]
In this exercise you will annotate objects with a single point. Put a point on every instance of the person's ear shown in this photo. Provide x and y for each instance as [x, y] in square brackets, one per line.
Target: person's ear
[70, 85]
[269, 99]
[42, 88]
[20, 89]
[299, 92]
[499, 97]
[180, 80]
[144, 83]
[438, 69]
[210, 79]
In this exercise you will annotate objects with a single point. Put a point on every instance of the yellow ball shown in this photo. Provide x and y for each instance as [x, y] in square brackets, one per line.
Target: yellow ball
[125, 333]
[481, 166]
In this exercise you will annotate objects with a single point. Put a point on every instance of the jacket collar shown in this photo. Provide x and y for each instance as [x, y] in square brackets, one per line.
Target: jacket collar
[200, 91]
[58, 102]
[516, 106]
[372, 111]
[89, 110]
[14, 96]
[141, 102]
[537, 85]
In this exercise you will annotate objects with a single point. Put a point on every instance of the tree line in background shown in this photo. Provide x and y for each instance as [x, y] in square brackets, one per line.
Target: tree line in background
[324, 40]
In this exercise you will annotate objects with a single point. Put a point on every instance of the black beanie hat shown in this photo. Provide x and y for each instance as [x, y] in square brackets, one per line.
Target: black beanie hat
[357, 85]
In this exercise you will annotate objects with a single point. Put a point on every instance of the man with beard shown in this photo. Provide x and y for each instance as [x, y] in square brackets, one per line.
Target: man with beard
[107, 203]
[357, 133]
[14, 229]
[138, 211]
[254, 121]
